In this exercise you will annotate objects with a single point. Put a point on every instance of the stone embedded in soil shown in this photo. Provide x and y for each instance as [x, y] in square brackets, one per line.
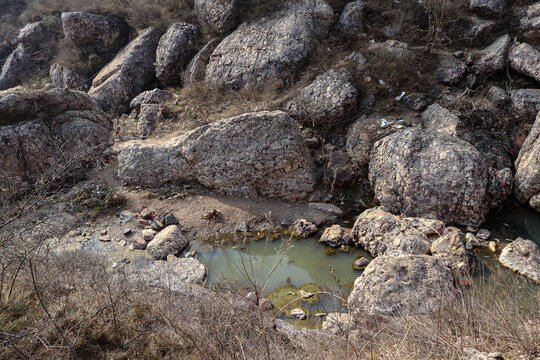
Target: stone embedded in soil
[522, 256]
[304, 227]
[168, 241]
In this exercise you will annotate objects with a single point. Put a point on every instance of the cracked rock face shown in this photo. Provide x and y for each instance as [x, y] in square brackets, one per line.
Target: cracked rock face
[400, 285]
[127, 74]
[326, 102]
[271, 50]
[527, 177]
[249, 155]
[522, 256]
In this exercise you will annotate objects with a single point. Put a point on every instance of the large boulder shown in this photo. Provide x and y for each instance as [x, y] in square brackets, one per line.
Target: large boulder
[351, 20]
[400, 285]
[381, 233]
[218, 15]
[423, 173]
[91, 33]
[522, 256]
[527, 177]
[65, 78]
[492, 58]
[269, 50]
[253, 154]
[168, 241]
[196, 68]
[42, 132]
[175, 49]
[127, 74]
[525, 59]
[329, 100]
[490, 8]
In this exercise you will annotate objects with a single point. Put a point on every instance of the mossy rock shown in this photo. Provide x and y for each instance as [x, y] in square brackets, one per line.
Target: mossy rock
[288, 298]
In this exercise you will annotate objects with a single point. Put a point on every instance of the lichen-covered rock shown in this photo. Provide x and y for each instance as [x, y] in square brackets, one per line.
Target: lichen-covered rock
[65, 78]
[493, 58]
[196, 68]
[253, 154]
[304, 227]
[527, 177]
[535, 202]
[381, 233]
[127, 74]
[326, 102]
[522, 256]
[90, 32]
[525, 103]
[450, 249]
[168, 241]
[270, 50]
[490, 8]
[400, 285]
[218, 15]
[351, 20]
[525, 59]
[175, 49]
[41, 131]
[335, 236]
[426, 174]
[450, 70]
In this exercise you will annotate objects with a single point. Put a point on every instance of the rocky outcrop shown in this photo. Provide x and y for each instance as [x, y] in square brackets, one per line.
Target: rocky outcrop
[490, 8]
[527, 177]
[218, 15]
[65, 78]
[44, 131]
[525, 103]
[127, 74]
[493, 58]
[400, 285]
[449, 248]
[381, 233]
[248, 155]
[525, 59]
[270, 50]
[438, 176]
[168, 241]
[175, 49]
[522, 256]
[196, 68]
[329, 100]
[450, 70]
[335, 236]
[90, 33]
[351, 20]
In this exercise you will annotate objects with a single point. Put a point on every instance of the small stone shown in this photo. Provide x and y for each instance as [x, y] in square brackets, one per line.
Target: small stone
[103, 232]
[170, 219]
[304, 294]
[190, 253]
[251, 296]
[304, 227]
[320, 315]
[243, 227]
[147, 213]
[483, 234]
[142, 223]
[126, 231]
[74, 233]
[361, 263]
[493, 246]
[329, 208]
[156, 225]
[265, 304]
[299, 314]
[122, 243]
[148, 234]
[139, 243]
[104, 238]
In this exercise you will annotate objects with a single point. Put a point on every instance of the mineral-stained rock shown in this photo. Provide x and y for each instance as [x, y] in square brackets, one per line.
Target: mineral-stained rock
[304, 227]
[175, 49]
[326, 102]
[400, 285]
[351, 20]
[525, 59]
[168, 241]
[450, 249]
[218, 15]
[90, 32]
[253, 154]
[438, 176]
[66, 78]
[450, 70]
[196, 68]
[525, 103]
[270, 50]
[490, 8]
[335, 236]
[493, 58]
[127, 74]
[527, 177]
[522, 256]
[381, 233]
[41, 131]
